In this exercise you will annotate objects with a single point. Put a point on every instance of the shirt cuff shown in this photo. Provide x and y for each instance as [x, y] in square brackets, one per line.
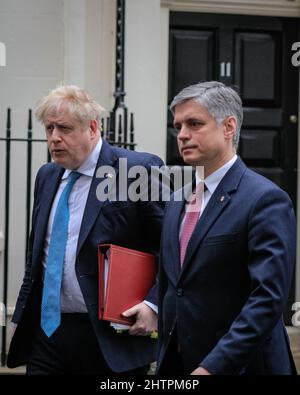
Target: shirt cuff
[152, 306]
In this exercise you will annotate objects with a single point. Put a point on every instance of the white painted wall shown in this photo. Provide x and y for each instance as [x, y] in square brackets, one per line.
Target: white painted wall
[89, 36]
[2, 55]
[146, 71]
[100, 51]
[33, 34]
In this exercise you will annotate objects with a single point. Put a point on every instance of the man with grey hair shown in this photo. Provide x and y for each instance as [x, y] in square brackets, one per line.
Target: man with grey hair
[226, 265]
[58, 329]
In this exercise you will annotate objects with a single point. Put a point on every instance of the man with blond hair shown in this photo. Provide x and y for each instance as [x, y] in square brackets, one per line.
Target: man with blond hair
[58, 330]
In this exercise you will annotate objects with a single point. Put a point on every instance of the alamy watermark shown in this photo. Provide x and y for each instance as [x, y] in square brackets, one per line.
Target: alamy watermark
[2, 314]
[139, 183]
[296, 316]
[296, 56]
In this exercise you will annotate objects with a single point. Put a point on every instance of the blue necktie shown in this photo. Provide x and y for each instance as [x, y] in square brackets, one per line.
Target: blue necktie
[50, 314]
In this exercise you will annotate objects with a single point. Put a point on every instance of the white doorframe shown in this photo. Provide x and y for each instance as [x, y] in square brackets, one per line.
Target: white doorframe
[287, 8]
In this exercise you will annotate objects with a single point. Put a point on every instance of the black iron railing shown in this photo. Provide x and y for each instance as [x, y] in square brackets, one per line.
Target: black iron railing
[9, 140]
[117, 130]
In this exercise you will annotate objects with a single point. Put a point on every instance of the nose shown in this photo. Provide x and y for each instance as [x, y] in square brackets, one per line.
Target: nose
[184, 133]
[55, 135]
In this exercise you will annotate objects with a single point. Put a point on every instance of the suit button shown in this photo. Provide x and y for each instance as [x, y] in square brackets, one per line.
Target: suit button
[179, 292]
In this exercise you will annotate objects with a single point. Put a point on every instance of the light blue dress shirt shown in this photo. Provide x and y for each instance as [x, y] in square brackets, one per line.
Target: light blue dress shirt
[71, 296]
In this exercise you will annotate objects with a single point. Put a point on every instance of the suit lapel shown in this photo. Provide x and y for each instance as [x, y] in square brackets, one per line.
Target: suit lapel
[215, 207]
[175, 214]
[51, 184]
[93, 205]
[174, 226]
[218, 202]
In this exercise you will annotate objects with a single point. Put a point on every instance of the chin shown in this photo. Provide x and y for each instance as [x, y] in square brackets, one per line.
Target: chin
[61, 163]
[190, 160]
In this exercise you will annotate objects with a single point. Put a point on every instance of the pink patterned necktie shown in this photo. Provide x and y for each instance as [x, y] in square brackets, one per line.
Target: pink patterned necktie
[190, 220]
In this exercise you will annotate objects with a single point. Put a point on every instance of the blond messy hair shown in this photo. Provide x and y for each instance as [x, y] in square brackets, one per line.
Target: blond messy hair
[76, 101]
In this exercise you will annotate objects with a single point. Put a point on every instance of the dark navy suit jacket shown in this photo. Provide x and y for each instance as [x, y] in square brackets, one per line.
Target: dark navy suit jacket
[226, 302]
[134, 225]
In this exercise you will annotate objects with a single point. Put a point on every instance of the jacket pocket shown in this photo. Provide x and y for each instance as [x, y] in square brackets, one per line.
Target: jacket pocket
[221, 239]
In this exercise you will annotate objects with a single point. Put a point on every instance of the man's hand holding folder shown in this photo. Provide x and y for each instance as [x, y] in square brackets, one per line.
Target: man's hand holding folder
[125, 278]
[145, 320]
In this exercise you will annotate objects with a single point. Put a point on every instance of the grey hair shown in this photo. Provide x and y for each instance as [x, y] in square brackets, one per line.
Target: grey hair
[220, 101]
[71, 98]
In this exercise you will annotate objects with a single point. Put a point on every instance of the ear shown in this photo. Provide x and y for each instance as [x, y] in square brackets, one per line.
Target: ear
[230, 126]
[93, 128]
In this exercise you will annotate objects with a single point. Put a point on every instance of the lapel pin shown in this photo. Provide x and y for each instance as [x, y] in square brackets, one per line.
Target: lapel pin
[222, 199]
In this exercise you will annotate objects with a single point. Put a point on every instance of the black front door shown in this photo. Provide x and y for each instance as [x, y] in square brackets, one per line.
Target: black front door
[252, 53]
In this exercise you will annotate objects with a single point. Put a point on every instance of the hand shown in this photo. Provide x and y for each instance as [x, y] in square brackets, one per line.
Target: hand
[200, 372]
[146, 320]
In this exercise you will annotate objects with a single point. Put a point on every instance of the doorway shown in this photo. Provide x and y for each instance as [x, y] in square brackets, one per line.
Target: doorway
[252, 53]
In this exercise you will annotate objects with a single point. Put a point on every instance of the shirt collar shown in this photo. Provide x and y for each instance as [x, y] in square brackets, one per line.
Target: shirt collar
[213, 180]
[89, 165]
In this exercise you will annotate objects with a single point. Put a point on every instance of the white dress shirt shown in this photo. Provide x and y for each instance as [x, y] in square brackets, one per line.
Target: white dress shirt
[211, 182]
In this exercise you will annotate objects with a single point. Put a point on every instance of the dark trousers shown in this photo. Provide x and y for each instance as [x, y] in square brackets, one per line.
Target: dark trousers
[72, 349]
[172, 363]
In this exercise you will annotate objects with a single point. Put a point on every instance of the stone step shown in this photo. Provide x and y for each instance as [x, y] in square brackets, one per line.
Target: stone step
[4, 370]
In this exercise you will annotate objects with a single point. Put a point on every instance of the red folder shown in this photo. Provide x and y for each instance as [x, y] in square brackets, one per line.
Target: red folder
[129, 276]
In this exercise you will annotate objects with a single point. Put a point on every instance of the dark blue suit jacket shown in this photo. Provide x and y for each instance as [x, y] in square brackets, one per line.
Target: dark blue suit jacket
[227, 301]
[129, 224]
